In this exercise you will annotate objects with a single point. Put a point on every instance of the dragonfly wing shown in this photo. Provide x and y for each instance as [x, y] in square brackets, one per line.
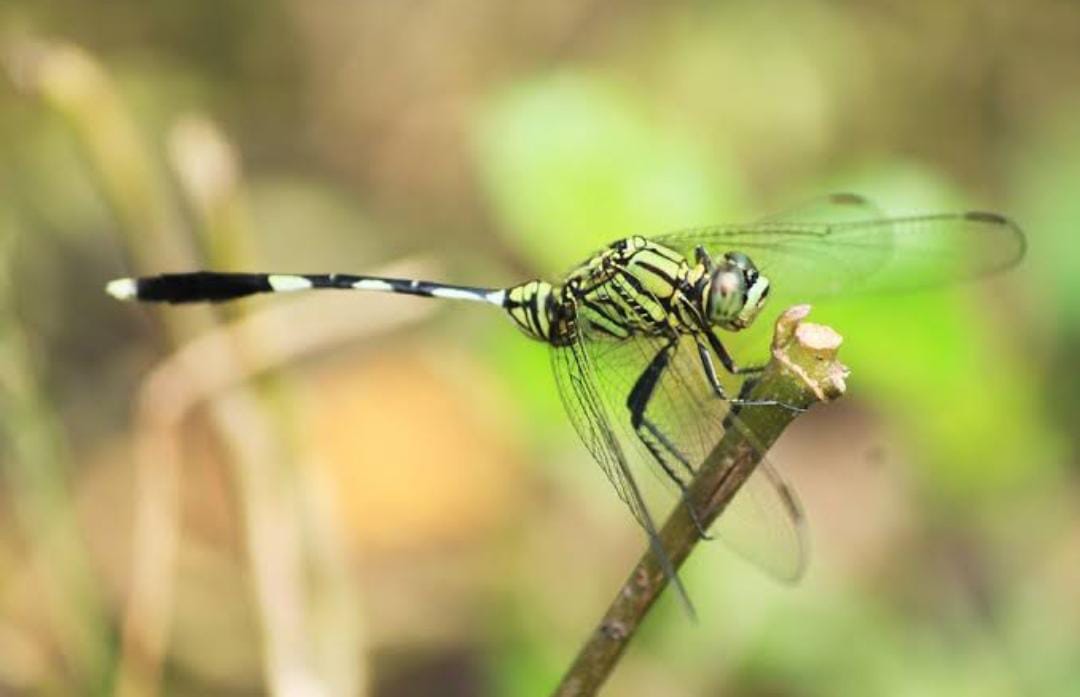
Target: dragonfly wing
[808, 259]
[576, 377]
[831, 208]
[576, 380]
[764, 523]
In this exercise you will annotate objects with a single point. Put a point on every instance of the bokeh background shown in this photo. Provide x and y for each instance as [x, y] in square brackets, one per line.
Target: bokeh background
[381, 496]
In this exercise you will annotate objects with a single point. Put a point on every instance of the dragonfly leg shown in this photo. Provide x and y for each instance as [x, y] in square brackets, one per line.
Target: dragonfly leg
[652, 429]
[651, 435]
[725, 359]
[670, 447]
[710, 369]
[701, 256]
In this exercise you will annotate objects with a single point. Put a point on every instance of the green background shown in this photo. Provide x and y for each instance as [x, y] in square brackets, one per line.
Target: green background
[376, 495]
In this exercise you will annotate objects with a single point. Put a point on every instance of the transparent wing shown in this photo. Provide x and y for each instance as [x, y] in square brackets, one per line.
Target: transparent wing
[810, 257]
[764, 523]
[576, 380]
[841, 245]
[575, 376]
[831, 208]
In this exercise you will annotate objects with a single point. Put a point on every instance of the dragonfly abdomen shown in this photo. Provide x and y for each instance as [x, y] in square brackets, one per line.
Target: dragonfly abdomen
[533, 306]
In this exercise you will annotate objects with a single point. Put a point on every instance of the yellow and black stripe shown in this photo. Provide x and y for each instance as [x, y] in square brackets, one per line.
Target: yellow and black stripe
[632, 287]
[531, 306]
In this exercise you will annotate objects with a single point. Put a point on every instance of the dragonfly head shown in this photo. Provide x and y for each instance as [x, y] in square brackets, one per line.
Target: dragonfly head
[737, 292]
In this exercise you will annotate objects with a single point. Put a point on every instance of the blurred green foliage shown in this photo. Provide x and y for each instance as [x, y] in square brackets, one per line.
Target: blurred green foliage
[571, 164]
[508, 142]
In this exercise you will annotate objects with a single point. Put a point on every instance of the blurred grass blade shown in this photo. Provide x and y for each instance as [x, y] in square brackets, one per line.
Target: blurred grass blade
[209, 173]
[36, 466]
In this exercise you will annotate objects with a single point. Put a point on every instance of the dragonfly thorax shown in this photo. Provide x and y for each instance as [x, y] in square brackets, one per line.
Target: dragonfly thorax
[637, 287]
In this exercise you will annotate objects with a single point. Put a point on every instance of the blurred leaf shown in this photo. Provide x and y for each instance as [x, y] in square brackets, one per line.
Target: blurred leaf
[572, 164]
[1047, 185]
[1047, 172]
[36, 466]
[968, 407]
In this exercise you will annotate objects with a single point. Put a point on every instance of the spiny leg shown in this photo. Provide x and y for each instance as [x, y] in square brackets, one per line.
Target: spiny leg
[722, 353]
[638, 402]
[670, 447]
[739, 401]
[729, 365]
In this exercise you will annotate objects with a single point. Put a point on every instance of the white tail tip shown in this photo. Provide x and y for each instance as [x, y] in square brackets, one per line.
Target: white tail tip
[122, 288]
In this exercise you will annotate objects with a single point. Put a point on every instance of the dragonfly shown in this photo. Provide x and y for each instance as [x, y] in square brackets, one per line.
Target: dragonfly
[641, 335]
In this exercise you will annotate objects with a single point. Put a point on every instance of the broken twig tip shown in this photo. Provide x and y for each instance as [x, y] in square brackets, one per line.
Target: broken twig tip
[818, 337]
[787, 323]
[809, 351]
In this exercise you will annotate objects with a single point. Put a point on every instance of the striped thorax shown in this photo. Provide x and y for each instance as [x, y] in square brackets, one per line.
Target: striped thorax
[638, 287]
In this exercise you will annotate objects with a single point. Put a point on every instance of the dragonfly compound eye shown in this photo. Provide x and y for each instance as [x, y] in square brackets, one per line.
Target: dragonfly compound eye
[727, 295]
[737, 293]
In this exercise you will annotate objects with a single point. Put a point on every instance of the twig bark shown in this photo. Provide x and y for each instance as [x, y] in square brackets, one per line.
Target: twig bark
[803, 371]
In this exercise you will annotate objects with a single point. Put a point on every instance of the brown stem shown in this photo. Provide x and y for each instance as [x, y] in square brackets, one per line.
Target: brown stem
[802, 372]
